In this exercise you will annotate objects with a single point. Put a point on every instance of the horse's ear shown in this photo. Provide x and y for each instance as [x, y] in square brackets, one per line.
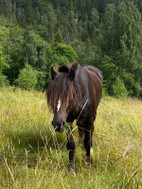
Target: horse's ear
[53, 73]
[71, 74]
[73, 65]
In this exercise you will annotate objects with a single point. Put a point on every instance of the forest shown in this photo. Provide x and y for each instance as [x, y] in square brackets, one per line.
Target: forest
[38, 34]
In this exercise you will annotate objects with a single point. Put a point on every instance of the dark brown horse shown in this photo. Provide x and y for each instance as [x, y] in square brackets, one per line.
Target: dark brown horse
[75, 93]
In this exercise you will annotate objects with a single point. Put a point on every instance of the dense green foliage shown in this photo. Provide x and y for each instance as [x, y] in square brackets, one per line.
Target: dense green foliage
[41, 33]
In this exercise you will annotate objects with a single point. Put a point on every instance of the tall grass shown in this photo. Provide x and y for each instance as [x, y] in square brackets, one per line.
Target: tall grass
[32, 155]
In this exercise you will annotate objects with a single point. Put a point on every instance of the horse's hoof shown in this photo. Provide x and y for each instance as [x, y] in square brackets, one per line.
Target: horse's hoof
[89, 160]
[71, 169]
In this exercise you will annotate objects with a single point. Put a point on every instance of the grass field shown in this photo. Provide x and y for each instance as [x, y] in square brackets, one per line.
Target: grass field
[32, 155]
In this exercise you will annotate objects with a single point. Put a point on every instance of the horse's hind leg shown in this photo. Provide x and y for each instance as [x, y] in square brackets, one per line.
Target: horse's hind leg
[88, 141]
[88, 144]
[71, 149]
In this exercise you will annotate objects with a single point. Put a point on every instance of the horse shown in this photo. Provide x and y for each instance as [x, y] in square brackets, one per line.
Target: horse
[74, 94]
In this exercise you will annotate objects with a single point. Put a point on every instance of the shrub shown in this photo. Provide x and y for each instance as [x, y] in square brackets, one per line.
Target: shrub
[104, 90]
[60, 60]
[67, 51]
[27, 78]
[3, 80]
[40, 80]
[119, 89]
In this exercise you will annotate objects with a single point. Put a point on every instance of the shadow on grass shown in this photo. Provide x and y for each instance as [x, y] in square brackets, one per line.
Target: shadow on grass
[34, 142]
[37, 137]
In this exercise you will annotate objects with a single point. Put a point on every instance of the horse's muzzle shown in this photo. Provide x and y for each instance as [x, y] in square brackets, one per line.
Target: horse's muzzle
[58, 127]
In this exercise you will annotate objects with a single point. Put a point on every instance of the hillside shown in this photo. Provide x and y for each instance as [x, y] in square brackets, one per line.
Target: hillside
[32, 155]
[45, 33]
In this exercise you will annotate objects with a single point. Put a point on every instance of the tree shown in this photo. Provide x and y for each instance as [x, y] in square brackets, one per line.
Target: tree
[48, 19]
[4, 57]
[121, 38]
[14, 50]
[38, 53]
[119, 89]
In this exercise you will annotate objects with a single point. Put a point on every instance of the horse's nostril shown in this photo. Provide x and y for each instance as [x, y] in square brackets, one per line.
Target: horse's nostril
[63, 123]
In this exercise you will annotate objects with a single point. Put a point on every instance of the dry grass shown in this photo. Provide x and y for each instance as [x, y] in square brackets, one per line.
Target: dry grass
[32, 155]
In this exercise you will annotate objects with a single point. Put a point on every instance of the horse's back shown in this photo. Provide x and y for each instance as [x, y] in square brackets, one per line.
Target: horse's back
[95, 78]
[94, 70]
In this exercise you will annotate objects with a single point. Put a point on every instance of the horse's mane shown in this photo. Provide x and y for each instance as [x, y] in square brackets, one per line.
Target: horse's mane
[64, 89]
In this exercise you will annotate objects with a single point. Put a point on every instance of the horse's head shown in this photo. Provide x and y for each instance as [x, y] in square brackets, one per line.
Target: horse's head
[61, 95]
[60, 115]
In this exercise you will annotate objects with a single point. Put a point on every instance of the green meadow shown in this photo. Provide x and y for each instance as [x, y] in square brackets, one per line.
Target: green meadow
[32, 155]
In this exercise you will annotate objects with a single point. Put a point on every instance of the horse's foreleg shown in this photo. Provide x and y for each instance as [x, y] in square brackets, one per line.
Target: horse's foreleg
[71, 149]
[81, 135]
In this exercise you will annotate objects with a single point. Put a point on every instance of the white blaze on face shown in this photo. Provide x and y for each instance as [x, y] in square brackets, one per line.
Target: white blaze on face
[58, 105]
